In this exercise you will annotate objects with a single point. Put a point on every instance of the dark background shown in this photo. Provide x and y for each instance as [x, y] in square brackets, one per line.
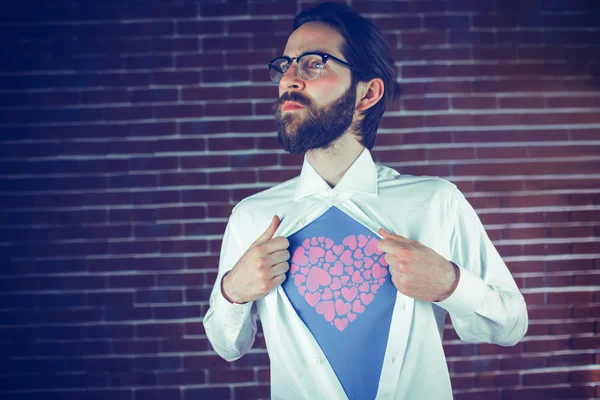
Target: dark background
[128, 131]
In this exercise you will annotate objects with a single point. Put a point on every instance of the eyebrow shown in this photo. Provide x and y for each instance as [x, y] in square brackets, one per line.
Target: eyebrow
[317, 49]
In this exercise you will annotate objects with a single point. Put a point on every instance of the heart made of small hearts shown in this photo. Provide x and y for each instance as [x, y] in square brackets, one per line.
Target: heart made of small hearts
[339, 280]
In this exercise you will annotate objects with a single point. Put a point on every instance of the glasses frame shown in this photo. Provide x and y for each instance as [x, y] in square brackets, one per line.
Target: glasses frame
[324, 56]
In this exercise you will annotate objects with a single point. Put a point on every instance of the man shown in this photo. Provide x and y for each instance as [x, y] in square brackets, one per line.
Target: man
[351, 266]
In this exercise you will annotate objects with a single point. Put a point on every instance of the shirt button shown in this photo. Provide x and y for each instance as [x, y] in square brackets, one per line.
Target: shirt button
[403, 306]
[303, 221]
[393, 359]
[237, 311]
[317, 361]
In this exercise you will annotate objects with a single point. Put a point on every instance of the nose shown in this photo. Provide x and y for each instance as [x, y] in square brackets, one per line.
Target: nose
[291, 80]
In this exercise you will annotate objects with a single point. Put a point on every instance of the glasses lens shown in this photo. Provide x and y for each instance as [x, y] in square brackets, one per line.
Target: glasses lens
[310, 66]
[278, 68]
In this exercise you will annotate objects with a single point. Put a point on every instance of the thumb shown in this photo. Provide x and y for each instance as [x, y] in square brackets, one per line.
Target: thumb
[268, 234]
[392, 236]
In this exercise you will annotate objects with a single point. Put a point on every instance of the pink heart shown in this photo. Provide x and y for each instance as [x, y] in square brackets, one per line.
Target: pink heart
[299, 278]
[350, 241]
[335, 279]
[315, 253]
[378, 272]
[341, 307]
[371, 247]
[300, 257]
[346, 258]
[317, 277]
[383, 262]
[362, 240]
[366, 298]
[313, 298]
[350, 293]
[326, 309]
[341, 323]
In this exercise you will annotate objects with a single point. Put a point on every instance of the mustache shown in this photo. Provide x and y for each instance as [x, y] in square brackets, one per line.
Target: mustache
[291, 96]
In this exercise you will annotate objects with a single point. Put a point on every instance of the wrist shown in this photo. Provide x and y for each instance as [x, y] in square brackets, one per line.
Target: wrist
[456, 274]
[226, 291]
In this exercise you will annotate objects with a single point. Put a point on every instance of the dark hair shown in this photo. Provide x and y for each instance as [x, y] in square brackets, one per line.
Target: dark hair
[366, 49]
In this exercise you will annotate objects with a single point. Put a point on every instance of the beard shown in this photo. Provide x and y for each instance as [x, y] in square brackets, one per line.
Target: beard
[319, 128]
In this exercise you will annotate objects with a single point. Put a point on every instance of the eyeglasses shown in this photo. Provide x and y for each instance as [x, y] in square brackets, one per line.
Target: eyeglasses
[310, 65]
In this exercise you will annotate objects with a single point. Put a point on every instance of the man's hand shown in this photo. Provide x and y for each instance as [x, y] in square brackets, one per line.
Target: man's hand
[260, 269]
[418, 271]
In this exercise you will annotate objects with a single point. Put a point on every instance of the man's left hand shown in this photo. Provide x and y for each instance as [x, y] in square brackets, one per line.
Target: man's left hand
[418, 271]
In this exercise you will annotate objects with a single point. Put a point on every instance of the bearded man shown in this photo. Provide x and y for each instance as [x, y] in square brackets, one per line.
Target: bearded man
[351, 266]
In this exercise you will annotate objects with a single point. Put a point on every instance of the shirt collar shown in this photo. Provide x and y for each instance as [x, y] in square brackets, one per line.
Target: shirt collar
[361, 177]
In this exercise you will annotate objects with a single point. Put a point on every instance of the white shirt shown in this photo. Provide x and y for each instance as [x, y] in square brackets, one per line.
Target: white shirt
[485, 307]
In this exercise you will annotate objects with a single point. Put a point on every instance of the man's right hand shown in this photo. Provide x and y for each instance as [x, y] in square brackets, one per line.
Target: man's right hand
[261, 269]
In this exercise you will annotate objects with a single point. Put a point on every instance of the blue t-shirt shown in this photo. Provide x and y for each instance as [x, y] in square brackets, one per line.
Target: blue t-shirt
[340, 286]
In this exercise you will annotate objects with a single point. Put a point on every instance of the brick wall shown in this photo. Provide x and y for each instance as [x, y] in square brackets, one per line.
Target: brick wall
[128, 131]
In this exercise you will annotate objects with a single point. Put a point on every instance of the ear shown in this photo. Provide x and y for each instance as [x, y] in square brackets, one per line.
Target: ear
[369, 93]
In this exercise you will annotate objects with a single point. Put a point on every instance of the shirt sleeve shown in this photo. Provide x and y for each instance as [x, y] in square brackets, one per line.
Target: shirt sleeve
[486, 305]
[230, 328]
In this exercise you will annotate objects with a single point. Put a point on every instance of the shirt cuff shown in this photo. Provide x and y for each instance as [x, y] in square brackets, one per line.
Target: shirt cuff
[468, 297]
[230, 314]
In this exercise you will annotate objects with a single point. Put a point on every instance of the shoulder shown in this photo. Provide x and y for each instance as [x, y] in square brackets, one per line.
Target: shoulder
[390, 179]
[263, 205]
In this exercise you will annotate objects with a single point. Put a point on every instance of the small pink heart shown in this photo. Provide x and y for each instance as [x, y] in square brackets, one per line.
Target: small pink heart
[362, 240]
[379, 272]
[337, 269]
[328, 243]
[357, 277]
[294, 268]
[315, 253]
[330, 257]
[374, 288]
[304, 270]
[326, 308]
[327, 294]
[306, 243]
[381, 281]
[336, 294]
[364, 287]
[350, 241]
[346, 258]
[368, 262]
[367, 274]
[349, 270]
[371, 247]
[357, 306]
[358, 263]
[358, 254]
[336, 284]
[342, 307]
[314, 241]
[351, 316]
[321, 239]
[317, 277]
[338, 249]
[351, 293]
[341, 324]
[298, 279]
[313, 298]
[302, 290]
[366, 298]
[299, 257]
[345, 279]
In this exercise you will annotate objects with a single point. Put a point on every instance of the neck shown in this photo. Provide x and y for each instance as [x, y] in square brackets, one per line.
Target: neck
[332, 163]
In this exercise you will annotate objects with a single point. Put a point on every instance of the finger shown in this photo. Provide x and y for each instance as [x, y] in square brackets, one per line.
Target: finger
[278, 257]
[389, 246]
[268, 234]
[392, 236]
[280, 269]
[275, 245]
